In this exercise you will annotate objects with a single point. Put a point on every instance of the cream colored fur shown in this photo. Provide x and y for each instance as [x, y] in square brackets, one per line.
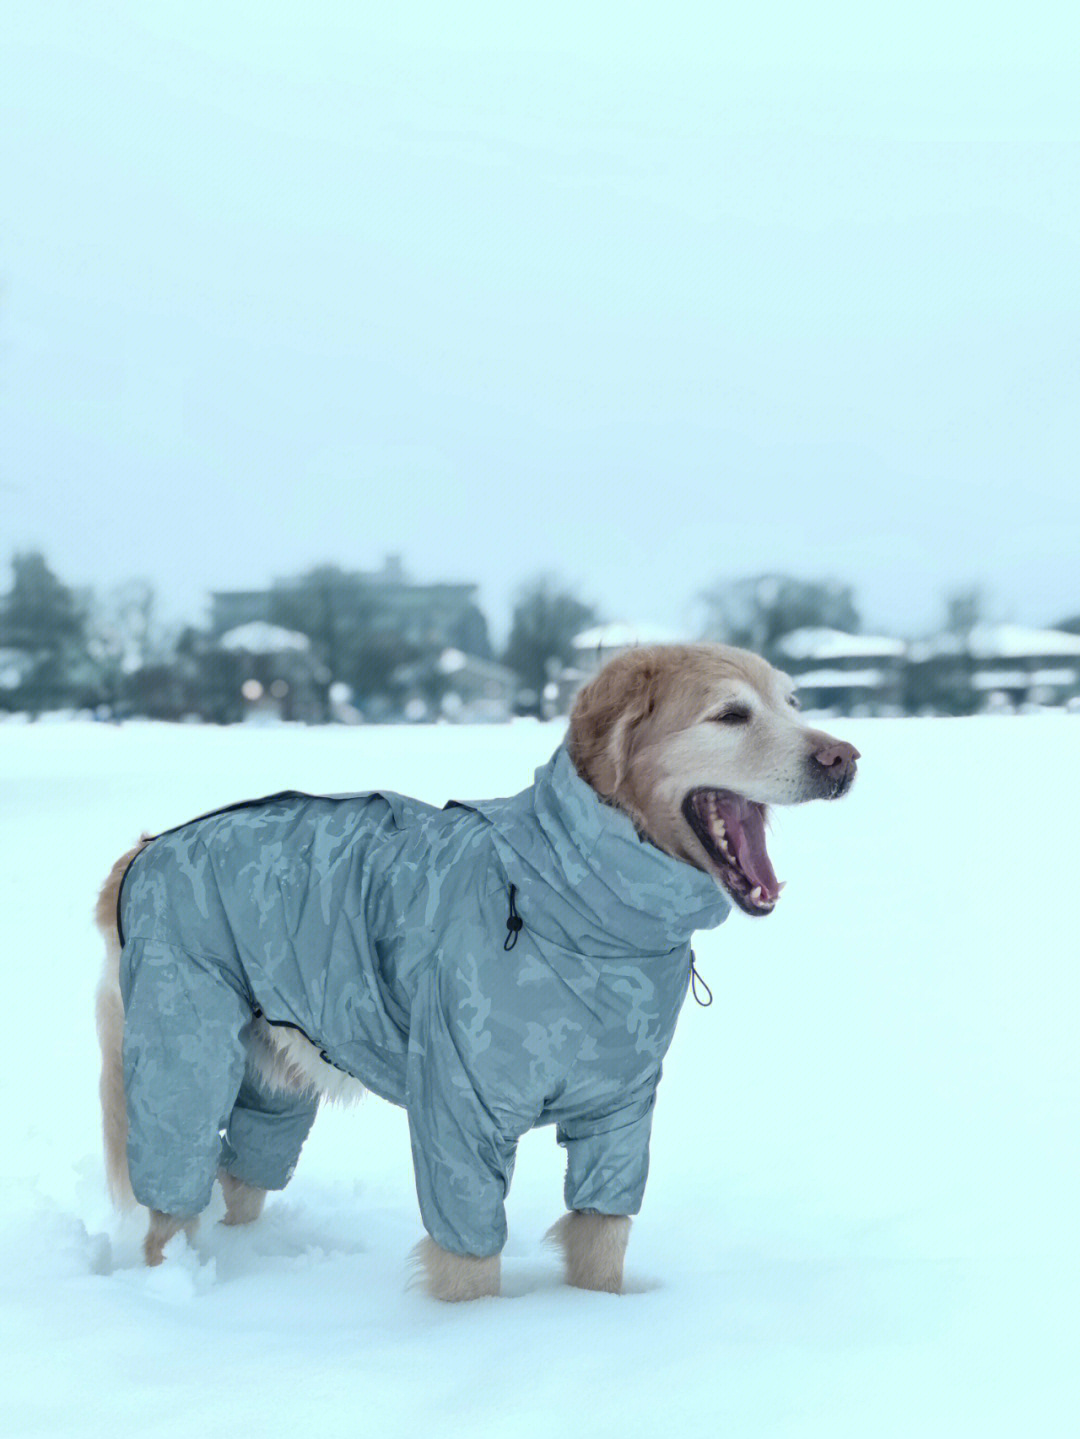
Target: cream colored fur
[110, 1029]
[164, 1227]
[593, 1249]
[288, 1060]
[453, 1277]
[243, 1202]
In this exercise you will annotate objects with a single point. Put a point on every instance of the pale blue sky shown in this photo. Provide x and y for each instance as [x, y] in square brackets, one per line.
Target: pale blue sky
[644, 295]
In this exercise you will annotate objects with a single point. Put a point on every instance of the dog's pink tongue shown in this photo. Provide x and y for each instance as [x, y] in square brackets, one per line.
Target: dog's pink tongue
[750, 849]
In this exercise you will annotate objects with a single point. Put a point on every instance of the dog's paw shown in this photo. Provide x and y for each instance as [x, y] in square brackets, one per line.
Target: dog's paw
[243, 1202]
[455, 1277]
[162, 1228]
[593, 1249]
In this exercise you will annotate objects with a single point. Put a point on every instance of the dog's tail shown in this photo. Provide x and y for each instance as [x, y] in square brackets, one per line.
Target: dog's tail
[110, 1028]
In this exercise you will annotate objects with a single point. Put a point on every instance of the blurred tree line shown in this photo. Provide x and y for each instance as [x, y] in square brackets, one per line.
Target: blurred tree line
[109, 651]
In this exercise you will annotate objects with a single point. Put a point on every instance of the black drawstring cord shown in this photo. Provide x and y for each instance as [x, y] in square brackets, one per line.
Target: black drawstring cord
[695, 980]
[514, 923]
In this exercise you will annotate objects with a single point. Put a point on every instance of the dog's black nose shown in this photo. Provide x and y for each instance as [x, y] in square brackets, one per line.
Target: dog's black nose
[839, 757]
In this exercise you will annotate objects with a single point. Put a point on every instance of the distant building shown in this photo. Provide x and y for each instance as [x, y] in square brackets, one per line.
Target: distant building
[476, 690]
[431, 616]
[458, 687]
[994, 667]
[275, 675]
[231, 608]
[600, 643]
[593, 648]
[845, 674]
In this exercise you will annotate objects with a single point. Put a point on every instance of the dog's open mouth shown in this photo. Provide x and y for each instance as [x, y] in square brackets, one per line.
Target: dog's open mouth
[732, 831]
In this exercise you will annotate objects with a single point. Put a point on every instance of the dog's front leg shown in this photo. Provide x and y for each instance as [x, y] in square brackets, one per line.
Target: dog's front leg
[162, 1228]
[593, 1248]
[243, 1202]
[452, 1277]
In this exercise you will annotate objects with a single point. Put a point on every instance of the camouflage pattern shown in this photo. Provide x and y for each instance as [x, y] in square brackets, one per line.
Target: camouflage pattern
[376, 924]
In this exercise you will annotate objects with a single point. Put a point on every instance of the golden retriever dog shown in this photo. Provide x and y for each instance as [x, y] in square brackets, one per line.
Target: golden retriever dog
[693, 743]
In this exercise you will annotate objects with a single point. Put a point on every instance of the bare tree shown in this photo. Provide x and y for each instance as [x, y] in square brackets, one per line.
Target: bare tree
[964, 609]
[547, 616]
[754, 613]
[121, 634]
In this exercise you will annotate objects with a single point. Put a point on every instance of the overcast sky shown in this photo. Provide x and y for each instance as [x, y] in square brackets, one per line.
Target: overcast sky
[645, 295]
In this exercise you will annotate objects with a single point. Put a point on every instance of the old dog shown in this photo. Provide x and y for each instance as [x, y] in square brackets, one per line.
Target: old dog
[491, 966]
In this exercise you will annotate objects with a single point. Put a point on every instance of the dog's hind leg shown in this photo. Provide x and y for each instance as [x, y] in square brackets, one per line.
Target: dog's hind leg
[184, 1059]
[262, 1143]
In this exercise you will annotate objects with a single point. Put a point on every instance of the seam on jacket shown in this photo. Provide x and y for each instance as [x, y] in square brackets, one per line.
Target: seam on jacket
[215, 960]
[119, 898]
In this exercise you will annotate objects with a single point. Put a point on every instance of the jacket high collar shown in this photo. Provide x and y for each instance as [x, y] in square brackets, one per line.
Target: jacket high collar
[587, 873]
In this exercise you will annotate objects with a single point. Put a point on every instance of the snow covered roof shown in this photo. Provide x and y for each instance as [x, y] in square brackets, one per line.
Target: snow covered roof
[999, 642]
[1054, 677]
[620, 636]
[260, 638]
[841, 679]
[1015, 640]
[1021, 679]
[817, 643]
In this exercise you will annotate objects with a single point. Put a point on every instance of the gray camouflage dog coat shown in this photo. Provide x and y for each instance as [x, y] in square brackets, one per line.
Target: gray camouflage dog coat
[491, 966]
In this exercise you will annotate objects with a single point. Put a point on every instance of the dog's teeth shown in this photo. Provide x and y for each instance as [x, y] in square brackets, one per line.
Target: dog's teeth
[756, 894]
[719, 833]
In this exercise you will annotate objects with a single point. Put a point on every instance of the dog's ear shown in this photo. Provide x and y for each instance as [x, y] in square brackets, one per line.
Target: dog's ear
[607, 714]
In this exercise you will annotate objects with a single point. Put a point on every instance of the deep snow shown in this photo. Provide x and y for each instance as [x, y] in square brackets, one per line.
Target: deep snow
[861, 1215]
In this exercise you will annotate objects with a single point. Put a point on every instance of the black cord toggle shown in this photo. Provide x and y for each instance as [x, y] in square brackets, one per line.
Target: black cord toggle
[514, 923]
[695, 980]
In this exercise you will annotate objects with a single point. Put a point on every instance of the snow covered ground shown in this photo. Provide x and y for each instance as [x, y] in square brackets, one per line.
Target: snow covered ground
[861, 1217]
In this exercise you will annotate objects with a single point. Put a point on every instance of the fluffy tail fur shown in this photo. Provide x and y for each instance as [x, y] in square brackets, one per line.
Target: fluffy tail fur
[110, 1028]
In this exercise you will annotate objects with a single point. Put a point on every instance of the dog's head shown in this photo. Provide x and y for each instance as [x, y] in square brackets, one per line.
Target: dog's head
[694, 742]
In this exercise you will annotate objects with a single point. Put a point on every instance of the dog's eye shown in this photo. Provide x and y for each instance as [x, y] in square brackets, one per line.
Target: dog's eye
[793, 701]
[737, 714]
